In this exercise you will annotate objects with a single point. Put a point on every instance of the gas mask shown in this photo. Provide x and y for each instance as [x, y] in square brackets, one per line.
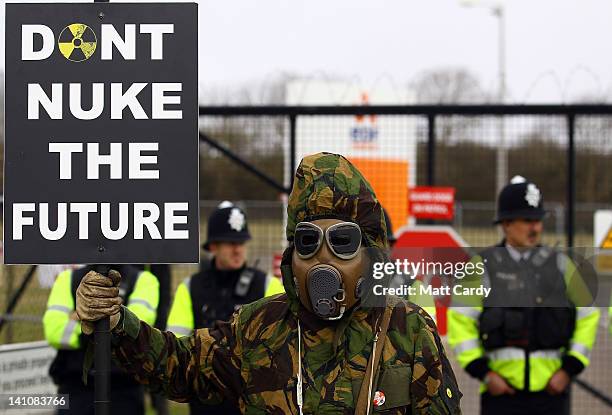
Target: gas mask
[327, 266]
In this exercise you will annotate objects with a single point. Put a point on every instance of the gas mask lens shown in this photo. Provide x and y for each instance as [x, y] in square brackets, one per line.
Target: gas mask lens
[308, 238]
[343, 239]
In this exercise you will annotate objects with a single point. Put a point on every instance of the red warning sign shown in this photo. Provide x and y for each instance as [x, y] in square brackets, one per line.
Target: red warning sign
[437, 243]
[425, 202]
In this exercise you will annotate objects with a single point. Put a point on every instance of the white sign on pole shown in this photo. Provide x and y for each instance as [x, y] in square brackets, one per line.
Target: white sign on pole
[383, 148]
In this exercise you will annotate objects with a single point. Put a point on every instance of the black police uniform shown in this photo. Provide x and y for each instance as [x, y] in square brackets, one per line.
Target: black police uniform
[66, 370]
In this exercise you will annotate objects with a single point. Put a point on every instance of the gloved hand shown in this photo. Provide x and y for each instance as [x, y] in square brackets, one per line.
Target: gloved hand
[98, 297]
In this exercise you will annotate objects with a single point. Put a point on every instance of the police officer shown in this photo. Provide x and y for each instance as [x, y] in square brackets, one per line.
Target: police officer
[139, 291]
[533, 333]
[223, 284]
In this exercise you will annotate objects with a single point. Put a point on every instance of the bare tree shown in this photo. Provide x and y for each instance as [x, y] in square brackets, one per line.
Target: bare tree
[448, 86]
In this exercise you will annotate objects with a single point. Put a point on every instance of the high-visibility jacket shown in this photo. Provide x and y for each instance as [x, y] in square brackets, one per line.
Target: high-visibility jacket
[63, 330]
[522, 367]
[182, 319]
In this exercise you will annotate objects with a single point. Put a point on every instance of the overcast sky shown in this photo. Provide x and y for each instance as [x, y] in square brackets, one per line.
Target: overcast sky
[556, 50]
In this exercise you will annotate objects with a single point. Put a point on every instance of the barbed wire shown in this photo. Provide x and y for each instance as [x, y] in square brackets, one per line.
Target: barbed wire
[271, 89]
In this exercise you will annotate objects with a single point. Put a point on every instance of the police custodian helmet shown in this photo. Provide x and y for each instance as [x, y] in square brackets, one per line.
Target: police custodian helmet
[227, 223]
[519, 200]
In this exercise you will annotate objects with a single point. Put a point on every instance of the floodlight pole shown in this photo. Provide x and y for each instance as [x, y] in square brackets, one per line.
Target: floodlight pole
[502, 151]
[497, 9]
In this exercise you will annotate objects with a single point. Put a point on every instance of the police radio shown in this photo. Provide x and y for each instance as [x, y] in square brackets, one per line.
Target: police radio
[244, 281]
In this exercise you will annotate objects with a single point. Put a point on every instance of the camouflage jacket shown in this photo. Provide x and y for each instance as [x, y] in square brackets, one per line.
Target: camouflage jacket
[252, 360]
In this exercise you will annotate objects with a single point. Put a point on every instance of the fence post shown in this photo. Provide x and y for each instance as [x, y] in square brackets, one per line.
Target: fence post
[559, 219]
[458, 222]
[292, 143]
[14, 297]
[431, 149]
[571, 179]
[10, 284]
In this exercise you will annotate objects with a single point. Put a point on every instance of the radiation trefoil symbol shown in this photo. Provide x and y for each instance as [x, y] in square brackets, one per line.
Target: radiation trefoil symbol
[77, 42]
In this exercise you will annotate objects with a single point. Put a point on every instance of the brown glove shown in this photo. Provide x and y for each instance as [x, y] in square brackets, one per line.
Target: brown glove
[98, 297]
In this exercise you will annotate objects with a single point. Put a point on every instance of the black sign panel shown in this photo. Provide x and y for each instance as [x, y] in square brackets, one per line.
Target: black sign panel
[101, 149]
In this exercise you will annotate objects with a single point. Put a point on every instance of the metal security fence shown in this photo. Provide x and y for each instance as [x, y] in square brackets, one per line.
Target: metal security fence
[475, 149]
[248, 155]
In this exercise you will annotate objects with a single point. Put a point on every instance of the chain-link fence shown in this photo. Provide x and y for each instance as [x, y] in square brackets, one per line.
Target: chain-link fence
[474, 150]
[248, 155]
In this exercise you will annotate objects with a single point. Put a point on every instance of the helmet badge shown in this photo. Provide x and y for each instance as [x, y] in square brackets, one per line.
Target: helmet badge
[533, 195]
[236, 220]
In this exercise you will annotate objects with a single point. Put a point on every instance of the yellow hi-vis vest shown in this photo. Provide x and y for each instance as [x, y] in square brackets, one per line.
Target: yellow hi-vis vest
[63, 331]
[181, 320]
[510, 362]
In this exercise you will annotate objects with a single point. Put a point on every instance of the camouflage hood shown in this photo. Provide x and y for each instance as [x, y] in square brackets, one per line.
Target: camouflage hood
[327, 185]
